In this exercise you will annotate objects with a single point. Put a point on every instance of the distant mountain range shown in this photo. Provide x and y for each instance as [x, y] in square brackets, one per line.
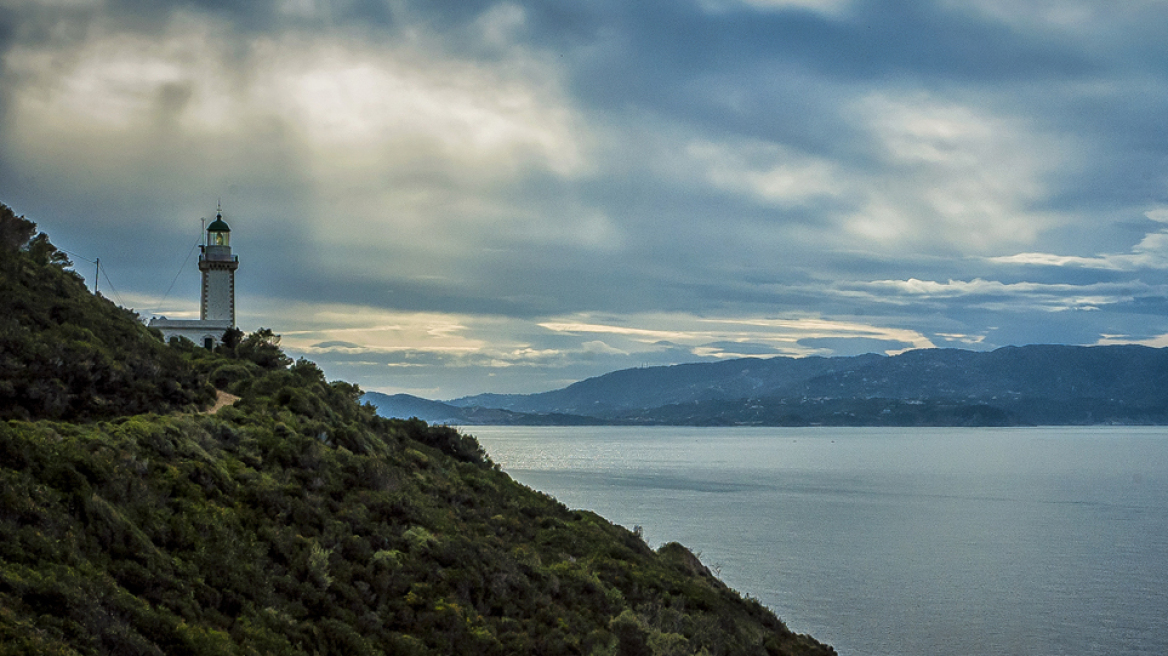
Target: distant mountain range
[1040, 384]
[405, 406]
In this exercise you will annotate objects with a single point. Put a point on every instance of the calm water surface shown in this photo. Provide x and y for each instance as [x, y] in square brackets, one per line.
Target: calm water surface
[1038, 541]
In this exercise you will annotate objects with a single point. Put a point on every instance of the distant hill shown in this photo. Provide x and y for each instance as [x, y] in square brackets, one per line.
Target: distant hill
[1038, 384]
[616, 393]
[406, 406]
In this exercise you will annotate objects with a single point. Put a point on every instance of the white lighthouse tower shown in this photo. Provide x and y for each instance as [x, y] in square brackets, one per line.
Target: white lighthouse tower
[218, 267]
[217, 306]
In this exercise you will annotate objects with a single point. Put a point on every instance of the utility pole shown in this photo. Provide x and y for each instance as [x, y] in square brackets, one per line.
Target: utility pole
[97, 275]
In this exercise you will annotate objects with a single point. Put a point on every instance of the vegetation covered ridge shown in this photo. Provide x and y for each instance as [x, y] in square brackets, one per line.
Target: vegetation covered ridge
[295, 521]
[72, 355]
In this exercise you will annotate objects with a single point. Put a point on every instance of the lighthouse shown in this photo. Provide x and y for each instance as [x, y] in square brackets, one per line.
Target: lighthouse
[217, 297]
[218, 266]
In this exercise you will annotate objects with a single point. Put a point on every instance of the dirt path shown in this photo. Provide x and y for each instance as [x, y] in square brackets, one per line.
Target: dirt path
[224, 399]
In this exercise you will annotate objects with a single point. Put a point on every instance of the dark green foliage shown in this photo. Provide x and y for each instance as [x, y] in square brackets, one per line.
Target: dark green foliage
[263, 348]
[262, 529]
[299, 522]
[632, 638]
[445, 439]
[15, 231]
[231, 339]
[67, 354]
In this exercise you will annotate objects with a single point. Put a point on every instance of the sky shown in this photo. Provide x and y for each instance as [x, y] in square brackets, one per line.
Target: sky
[444, 198]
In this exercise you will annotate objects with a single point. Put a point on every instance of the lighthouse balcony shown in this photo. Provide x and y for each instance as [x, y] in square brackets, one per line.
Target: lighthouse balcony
[218, 254]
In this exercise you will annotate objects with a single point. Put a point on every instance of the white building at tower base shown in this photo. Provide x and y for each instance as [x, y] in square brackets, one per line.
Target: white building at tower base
[207, 334]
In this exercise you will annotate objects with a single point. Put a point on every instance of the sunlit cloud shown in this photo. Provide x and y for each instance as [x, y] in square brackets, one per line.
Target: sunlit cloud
[783, 335]
[1157, 341]
[368, 329]
[1150, 253]
[769, 173]
[818, 328]
[347, 97]
[399, 138]
[335, 91]
[955, 176]
[1064, 14]
[644, 334]
[599, 347]
[992, 294]
[970, 340]
[1049, 259]
[827, 7]
[512, 197]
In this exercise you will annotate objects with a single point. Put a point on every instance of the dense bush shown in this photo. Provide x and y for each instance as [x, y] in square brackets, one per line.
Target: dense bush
[259, 530]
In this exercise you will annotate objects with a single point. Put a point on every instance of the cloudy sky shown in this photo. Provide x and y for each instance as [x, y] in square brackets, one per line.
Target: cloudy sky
[460, 196]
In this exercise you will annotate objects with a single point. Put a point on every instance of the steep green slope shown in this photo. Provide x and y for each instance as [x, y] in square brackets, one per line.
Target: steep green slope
[67, 354]
[298, 522]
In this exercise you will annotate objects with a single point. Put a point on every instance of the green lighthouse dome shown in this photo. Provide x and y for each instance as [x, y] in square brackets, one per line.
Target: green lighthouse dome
[218, 225]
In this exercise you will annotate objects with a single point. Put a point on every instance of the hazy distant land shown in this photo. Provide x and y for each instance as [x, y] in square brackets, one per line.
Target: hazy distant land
[1014, 386]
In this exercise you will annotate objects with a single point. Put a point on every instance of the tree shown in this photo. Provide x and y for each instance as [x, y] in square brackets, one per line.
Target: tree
[231, 339]
[263, 348]
[43, 252]
[15, 231]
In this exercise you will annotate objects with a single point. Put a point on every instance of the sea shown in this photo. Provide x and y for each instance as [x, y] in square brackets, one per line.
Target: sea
[894, 541]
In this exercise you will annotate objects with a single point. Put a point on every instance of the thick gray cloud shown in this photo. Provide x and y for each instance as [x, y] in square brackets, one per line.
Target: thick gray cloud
[455, 197]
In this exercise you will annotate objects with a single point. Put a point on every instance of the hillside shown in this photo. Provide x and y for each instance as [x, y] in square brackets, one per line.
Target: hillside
[72, 355]
[1039, 384]
[297, 521]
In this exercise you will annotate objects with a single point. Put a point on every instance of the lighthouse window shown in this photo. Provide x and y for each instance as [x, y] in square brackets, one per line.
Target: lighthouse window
[218, 238]
[208, 342]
